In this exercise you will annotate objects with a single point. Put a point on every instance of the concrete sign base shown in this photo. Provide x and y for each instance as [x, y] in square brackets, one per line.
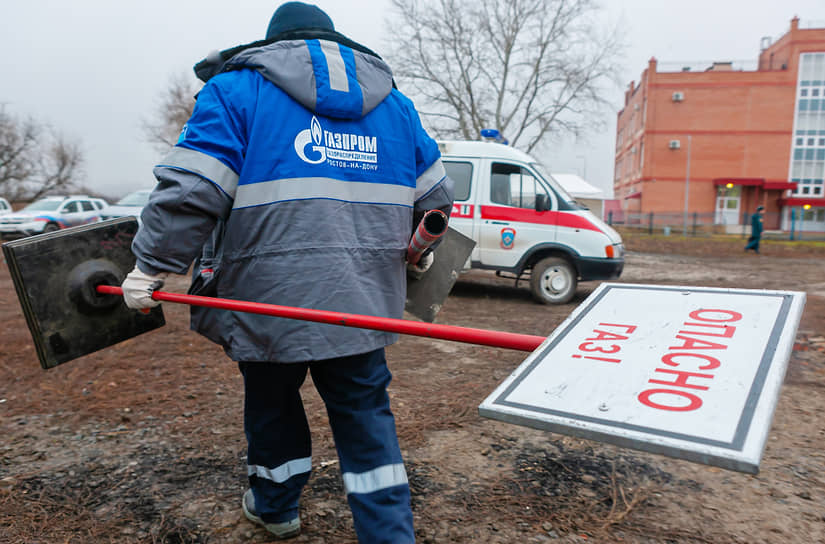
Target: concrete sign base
[55, 275]
[688, 372]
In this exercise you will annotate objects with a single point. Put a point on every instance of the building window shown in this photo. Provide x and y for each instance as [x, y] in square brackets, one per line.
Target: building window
[817, 215]
[641, 157]
[807, 168]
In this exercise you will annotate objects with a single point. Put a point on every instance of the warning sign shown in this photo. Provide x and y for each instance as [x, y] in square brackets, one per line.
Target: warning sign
[689, 372]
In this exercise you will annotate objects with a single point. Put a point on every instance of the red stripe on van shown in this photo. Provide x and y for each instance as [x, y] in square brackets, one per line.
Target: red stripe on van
[523, 215]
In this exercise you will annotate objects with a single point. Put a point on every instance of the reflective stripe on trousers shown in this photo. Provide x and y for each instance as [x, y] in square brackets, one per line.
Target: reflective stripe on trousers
[354, 391]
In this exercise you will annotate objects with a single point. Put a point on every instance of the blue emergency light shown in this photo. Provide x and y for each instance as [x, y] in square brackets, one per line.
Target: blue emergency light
[494, 134]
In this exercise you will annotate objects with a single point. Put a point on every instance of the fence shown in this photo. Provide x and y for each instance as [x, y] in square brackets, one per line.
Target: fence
[777, 227]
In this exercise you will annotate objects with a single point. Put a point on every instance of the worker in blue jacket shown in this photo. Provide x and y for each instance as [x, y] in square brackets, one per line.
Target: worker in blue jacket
[300, 175]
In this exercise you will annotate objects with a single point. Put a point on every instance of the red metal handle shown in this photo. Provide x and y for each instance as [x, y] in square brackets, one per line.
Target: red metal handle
[507, 340]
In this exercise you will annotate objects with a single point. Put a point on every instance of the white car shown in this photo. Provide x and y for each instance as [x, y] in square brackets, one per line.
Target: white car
[130, 205]
[51, 213]
[5, 207]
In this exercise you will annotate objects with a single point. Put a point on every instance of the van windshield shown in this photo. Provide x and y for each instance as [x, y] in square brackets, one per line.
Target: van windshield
[551, 181]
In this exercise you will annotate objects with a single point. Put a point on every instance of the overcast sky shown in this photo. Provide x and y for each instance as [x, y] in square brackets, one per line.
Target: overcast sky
[94, 69]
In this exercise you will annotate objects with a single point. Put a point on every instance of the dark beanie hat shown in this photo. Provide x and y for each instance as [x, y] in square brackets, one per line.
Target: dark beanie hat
[298, 16]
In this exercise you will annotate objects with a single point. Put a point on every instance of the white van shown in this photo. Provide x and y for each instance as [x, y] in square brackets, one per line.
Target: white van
[524, 223]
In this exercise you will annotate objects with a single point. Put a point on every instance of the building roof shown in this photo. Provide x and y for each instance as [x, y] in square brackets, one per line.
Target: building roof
[578, 187]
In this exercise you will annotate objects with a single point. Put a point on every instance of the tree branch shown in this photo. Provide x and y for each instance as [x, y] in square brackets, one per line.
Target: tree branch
[532, 68]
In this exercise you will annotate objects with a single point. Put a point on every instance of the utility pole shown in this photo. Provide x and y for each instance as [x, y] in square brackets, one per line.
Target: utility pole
[687, 190]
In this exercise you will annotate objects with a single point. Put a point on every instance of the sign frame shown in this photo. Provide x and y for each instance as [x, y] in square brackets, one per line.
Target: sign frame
[742, 453]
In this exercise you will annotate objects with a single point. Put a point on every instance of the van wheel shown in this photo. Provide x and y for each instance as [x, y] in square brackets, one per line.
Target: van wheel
[51, 227]
[553, 281]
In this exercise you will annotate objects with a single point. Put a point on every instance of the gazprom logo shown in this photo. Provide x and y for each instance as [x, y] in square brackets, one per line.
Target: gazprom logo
[345, 149]
[307, 136]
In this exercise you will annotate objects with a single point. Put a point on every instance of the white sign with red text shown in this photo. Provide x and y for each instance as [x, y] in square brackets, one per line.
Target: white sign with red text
[689, 372]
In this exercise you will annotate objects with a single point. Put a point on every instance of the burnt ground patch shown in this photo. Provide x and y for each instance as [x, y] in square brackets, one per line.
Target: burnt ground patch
[141, 501]
[576, 490]
[558, 471]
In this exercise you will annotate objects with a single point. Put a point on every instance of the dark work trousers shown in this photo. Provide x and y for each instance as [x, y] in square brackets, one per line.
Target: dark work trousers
[354, 390]
[753, 243]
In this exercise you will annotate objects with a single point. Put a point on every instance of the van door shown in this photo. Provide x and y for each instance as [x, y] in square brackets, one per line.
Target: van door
[510, 224]
[464, 174]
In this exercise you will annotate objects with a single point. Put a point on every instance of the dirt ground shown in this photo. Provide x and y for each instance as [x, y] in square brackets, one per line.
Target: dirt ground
[143, 443]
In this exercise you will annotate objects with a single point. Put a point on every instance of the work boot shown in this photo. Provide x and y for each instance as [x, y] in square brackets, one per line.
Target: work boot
[282, 531]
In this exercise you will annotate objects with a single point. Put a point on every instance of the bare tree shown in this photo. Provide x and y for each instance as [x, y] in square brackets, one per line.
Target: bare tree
[35, 160]
[58, 166]
[174, 109]
[17, 139]
[529, 68]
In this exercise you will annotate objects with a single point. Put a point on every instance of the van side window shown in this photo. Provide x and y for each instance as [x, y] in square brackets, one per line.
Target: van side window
[515, 186]
[462, 175]
[500, 182]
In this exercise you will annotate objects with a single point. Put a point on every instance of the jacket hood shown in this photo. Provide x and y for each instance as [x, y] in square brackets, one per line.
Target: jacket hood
[324, 71]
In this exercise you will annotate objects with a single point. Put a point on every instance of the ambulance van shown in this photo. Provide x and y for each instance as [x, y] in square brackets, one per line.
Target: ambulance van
[524, 224]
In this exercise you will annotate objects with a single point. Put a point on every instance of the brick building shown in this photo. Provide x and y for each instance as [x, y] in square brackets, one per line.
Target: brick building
[730, 138]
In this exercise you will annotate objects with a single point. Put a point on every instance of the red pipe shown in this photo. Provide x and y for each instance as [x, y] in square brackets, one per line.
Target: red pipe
[507, 340]
[432, 227]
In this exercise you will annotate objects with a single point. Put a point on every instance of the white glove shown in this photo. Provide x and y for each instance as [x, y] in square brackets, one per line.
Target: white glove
[138, 288]
[424, 263]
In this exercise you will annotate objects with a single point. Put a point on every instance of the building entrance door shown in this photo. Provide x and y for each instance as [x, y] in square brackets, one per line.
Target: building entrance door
[727, 205]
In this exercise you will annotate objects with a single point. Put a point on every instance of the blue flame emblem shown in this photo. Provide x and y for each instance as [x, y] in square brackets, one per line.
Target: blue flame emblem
[315, 127]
